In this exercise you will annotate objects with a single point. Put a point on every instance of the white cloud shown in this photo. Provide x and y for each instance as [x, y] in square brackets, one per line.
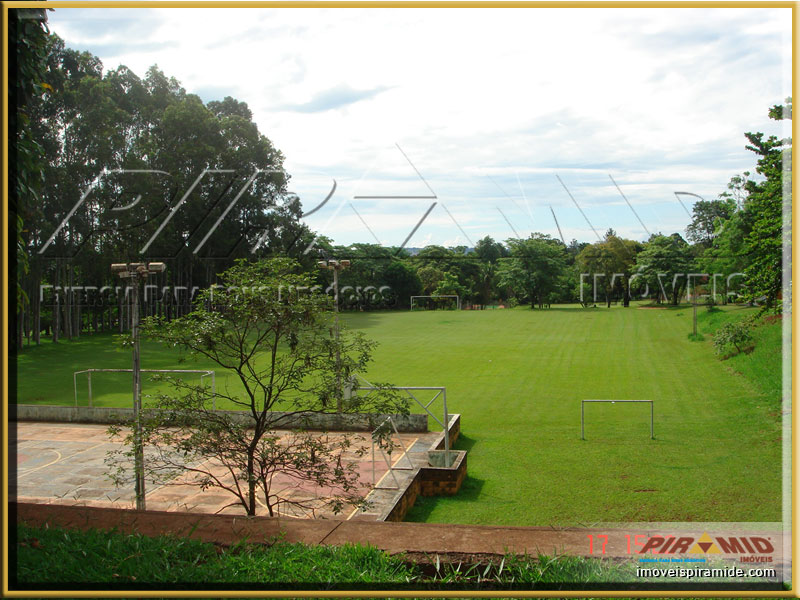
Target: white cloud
[659, 98]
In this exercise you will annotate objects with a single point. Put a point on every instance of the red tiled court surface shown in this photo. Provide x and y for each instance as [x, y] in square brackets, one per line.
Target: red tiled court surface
[63, 463]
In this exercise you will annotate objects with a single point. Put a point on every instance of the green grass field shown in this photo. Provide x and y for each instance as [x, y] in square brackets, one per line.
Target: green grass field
[517, 377]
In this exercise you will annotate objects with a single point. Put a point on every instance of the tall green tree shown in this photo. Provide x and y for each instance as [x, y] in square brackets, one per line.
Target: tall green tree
[28, 33]
[534, 269]
[708, 218]
[766, 202]
[664, 265]
[609, 265]
[206, 187]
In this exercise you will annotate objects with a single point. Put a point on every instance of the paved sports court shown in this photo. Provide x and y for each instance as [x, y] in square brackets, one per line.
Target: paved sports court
[63, 463]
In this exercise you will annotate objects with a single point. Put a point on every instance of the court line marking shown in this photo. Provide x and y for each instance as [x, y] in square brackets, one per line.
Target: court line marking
[34, 469]
[60, 457]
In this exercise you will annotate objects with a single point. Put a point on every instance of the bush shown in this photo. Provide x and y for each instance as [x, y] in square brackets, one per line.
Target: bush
[732, 334]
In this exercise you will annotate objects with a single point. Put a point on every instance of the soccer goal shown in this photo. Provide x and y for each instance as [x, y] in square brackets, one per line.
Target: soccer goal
[202, 372]
[583, 403]
[434, 298]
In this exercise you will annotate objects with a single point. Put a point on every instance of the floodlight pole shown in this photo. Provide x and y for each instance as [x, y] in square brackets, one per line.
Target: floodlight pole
[136, 272]
[336, 266]
[137, 399]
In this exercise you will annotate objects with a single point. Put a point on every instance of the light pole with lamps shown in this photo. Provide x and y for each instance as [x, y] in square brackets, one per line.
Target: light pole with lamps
[136, 273]
[336, 266]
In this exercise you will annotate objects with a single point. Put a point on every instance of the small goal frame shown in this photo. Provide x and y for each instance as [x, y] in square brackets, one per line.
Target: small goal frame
[458, 299]
[583, 403]
[203, 372]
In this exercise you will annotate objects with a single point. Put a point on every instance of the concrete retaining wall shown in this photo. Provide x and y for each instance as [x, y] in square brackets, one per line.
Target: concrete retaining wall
[430, 480]
[454, 427]
[312, 421]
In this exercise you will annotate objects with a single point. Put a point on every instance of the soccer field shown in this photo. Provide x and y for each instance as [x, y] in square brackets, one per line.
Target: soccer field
[517, 377]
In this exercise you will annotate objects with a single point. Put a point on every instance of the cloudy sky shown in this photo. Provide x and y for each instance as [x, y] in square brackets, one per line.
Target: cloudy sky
[502, 117]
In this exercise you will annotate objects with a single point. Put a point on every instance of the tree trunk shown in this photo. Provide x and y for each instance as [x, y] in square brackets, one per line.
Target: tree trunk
[68, 304]
[20, 335]
[56, 320]
[626, 293]
[120, 306]
[251, 486]
[78, 316]
[37, 310]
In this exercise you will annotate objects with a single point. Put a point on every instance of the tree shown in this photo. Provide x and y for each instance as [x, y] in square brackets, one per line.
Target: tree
[736, 334]
[403, 281]
[726, 254]
[362, 283]
[91, 125]
[489, 250]
[430, 277]
[28, 35]
[601, 264]
[449, 286]
[486, 282]
[664, 264]
[766, 201]
[534, 269]
[708, 217]
[267, 326]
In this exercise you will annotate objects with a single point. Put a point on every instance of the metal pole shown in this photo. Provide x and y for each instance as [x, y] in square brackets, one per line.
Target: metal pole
[336, 329]
[89, 383]
[652, 434]
[446, 429]
[214, 390]
[582, 432]
[75, 386]
[137, 399]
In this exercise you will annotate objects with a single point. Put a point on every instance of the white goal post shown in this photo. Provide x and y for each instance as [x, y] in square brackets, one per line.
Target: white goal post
[458, 299]
[203, 373]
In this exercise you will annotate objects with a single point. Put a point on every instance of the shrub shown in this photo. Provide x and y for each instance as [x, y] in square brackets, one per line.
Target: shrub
[732, 334]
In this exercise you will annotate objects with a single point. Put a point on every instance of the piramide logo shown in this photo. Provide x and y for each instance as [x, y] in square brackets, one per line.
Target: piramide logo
[706, 545]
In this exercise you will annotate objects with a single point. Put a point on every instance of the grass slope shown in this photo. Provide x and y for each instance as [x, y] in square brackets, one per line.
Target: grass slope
[517, 376]
[94, 559]
[137, 562]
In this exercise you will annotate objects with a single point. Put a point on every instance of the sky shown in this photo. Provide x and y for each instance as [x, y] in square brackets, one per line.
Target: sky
[477, 122]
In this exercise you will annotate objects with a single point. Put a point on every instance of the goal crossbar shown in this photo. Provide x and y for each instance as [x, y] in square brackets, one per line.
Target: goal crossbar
[583, 403]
